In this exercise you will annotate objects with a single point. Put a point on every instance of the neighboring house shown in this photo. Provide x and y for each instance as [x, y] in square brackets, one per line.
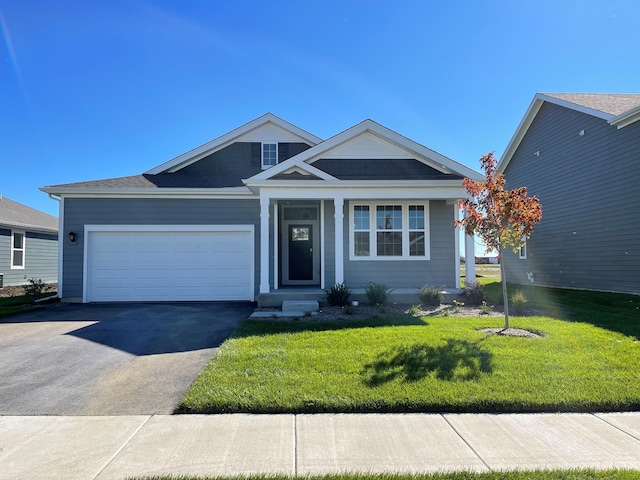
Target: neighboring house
[28, 244]
[580, 153]
[265, 210]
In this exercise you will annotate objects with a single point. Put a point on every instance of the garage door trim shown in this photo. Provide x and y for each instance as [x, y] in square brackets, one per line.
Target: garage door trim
[88, 229]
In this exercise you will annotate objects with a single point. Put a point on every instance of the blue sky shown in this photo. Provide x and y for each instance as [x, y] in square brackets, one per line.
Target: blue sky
[99, 89]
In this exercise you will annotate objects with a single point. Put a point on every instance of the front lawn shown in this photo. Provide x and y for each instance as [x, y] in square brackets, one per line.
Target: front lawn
[428, 364]
[14, 305]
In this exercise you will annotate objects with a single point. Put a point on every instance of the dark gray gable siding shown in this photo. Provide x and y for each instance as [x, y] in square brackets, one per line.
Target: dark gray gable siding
[438, 271]
[41, 258]
[381, 169]
[589, 188]
[79, 212]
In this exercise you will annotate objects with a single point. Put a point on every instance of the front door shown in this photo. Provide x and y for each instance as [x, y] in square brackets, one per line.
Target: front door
[300, 246]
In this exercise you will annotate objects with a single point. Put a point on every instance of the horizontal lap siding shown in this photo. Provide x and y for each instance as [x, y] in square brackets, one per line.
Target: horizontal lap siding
[79, 212]
[438, 271]
[41, 258]
[589, 188]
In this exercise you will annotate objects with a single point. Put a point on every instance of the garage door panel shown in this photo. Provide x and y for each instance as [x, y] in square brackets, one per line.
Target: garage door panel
[180, 266]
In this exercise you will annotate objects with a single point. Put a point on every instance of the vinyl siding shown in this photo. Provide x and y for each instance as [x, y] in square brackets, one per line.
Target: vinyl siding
[79, 212]
[589, 188]
[41, 258]
[438, 271]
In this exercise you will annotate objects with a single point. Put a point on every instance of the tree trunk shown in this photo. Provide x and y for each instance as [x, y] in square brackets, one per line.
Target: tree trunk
[504, 290]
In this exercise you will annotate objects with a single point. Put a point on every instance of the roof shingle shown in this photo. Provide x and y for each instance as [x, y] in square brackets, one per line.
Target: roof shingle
[14, 214]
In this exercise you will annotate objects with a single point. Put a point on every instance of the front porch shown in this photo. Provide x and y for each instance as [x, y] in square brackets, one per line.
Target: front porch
[400, 296]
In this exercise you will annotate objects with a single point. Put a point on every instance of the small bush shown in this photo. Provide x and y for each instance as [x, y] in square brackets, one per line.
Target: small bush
[457, 306]
[473, 293]
[431, 296]
[338, 295]
[518, 301]
[350, 310]
[414, 310]
[485, 309]
[377, 293]
[35, 289]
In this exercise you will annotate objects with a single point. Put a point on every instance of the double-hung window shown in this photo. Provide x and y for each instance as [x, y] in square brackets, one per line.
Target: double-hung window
[389, 231]
[17, 249]
[269, 155]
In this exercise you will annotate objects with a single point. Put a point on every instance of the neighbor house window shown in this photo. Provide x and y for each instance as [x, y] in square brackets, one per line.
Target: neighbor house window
[17, 249]
[522, 253]
[389, 231]
[269, 155]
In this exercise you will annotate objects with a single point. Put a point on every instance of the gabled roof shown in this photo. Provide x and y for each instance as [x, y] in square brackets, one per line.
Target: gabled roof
[17, 215]
[219, 143]
[306, 159]
[618, 109]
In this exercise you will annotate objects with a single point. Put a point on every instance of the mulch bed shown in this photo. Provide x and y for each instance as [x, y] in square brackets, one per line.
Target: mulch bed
[19, 290]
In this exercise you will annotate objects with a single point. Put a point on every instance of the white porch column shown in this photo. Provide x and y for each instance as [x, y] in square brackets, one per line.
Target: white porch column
[338, 203]
[470, 259]
[264, 244]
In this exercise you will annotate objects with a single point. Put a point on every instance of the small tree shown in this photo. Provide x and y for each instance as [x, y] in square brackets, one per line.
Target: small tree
[502, 218]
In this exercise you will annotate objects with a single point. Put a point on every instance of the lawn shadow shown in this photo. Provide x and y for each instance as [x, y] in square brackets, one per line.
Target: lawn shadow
[456, 360]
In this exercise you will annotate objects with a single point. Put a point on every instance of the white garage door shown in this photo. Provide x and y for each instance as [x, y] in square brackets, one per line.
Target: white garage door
[176, 264]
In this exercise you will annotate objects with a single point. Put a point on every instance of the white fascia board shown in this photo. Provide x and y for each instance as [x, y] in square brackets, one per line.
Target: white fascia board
[626, 118]
[27, 227]
[292, 162]
[217, 144]
[369, 193]
[232, 192]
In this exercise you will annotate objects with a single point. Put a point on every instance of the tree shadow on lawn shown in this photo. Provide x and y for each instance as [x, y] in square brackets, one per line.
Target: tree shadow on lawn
[456, 360]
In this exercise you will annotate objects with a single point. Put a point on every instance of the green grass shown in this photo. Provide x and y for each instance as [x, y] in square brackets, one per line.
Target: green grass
[573, 474]
[433, 364]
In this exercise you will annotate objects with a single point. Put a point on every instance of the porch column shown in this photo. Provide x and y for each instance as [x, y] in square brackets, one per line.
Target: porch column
[470, 259]
[338, 203]
[264, 244]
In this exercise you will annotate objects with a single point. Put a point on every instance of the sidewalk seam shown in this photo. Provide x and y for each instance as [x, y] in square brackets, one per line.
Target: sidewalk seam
[597, 415]
[124, 444]
[466, 443]
[295, 445]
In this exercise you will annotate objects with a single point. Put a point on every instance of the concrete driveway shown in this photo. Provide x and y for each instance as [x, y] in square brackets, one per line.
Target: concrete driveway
[109, 359]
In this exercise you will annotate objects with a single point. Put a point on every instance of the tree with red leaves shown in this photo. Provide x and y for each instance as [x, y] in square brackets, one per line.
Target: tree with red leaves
[502, 218]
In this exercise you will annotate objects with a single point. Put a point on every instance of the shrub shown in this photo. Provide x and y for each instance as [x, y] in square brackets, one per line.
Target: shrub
[338, 295]
[414, 310]
[377, 293]
[431, 296]
[485, 309]
[473, 293]
[518, 301]
[35, 289]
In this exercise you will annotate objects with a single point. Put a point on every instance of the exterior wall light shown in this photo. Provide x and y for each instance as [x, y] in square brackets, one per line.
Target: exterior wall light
[72, 236]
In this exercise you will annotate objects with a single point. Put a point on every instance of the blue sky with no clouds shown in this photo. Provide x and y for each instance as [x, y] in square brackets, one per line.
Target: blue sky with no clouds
[101, 89]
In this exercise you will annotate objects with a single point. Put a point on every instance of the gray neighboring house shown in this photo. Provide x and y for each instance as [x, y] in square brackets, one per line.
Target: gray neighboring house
[581, 154]
[265, 212]
[28, 244]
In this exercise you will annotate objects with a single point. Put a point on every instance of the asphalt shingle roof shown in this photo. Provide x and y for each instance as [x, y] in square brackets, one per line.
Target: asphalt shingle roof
[611, 103]
[14, 214]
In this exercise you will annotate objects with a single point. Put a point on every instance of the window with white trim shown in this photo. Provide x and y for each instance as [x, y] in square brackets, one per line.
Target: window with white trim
[522, 253]
[389, 231]
[269, 155]
[17, 249]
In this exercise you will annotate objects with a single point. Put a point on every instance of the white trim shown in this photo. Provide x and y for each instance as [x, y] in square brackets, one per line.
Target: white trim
[23, 250]
[262, 145]
[276, 229]
[61, 236]
[322, 246]
[338, 238]
[317, 192]
[264, 244]
[88, 229]
[208, 193]
[521, 255]
[217, 144]
[456, 245]
[373, 252]
[626, 118]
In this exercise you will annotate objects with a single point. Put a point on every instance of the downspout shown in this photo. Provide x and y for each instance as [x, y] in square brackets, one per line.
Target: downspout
[60, 239]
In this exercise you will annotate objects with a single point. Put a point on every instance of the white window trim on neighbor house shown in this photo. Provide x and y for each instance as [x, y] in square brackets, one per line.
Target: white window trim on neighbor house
[373, 249]
[522, 251]
[262, 151]
[21, 250]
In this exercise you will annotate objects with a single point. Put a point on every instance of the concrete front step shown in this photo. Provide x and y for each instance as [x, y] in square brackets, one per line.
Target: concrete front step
[300, 306]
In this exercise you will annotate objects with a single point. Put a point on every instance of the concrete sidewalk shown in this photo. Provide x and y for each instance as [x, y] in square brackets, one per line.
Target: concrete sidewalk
[120, 447]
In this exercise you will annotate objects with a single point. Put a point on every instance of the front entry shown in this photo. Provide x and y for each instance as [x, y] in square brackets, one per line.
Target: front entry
[300, 245]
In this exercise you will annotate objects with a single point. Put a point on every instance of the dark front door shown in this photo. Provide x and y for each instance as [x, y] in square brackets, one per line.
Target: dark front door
[301, 252]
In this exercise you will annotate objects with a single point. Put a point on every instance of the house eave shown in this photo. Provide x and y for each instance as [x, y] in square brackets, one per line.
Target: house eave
[27, 227]
[626, 118]
[230, 192]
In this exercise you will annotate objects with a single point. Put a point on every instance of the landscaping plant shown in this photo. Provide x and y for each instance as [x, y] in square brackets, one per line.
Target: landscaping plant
[502, 218]
[431, 296]
[338, 295]
[377, 293]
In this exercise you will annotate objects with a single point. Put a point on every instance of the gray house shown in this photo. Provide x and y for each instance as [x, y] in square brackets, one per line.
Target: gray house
[28, 244]
[263, 210]
[581, 154]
